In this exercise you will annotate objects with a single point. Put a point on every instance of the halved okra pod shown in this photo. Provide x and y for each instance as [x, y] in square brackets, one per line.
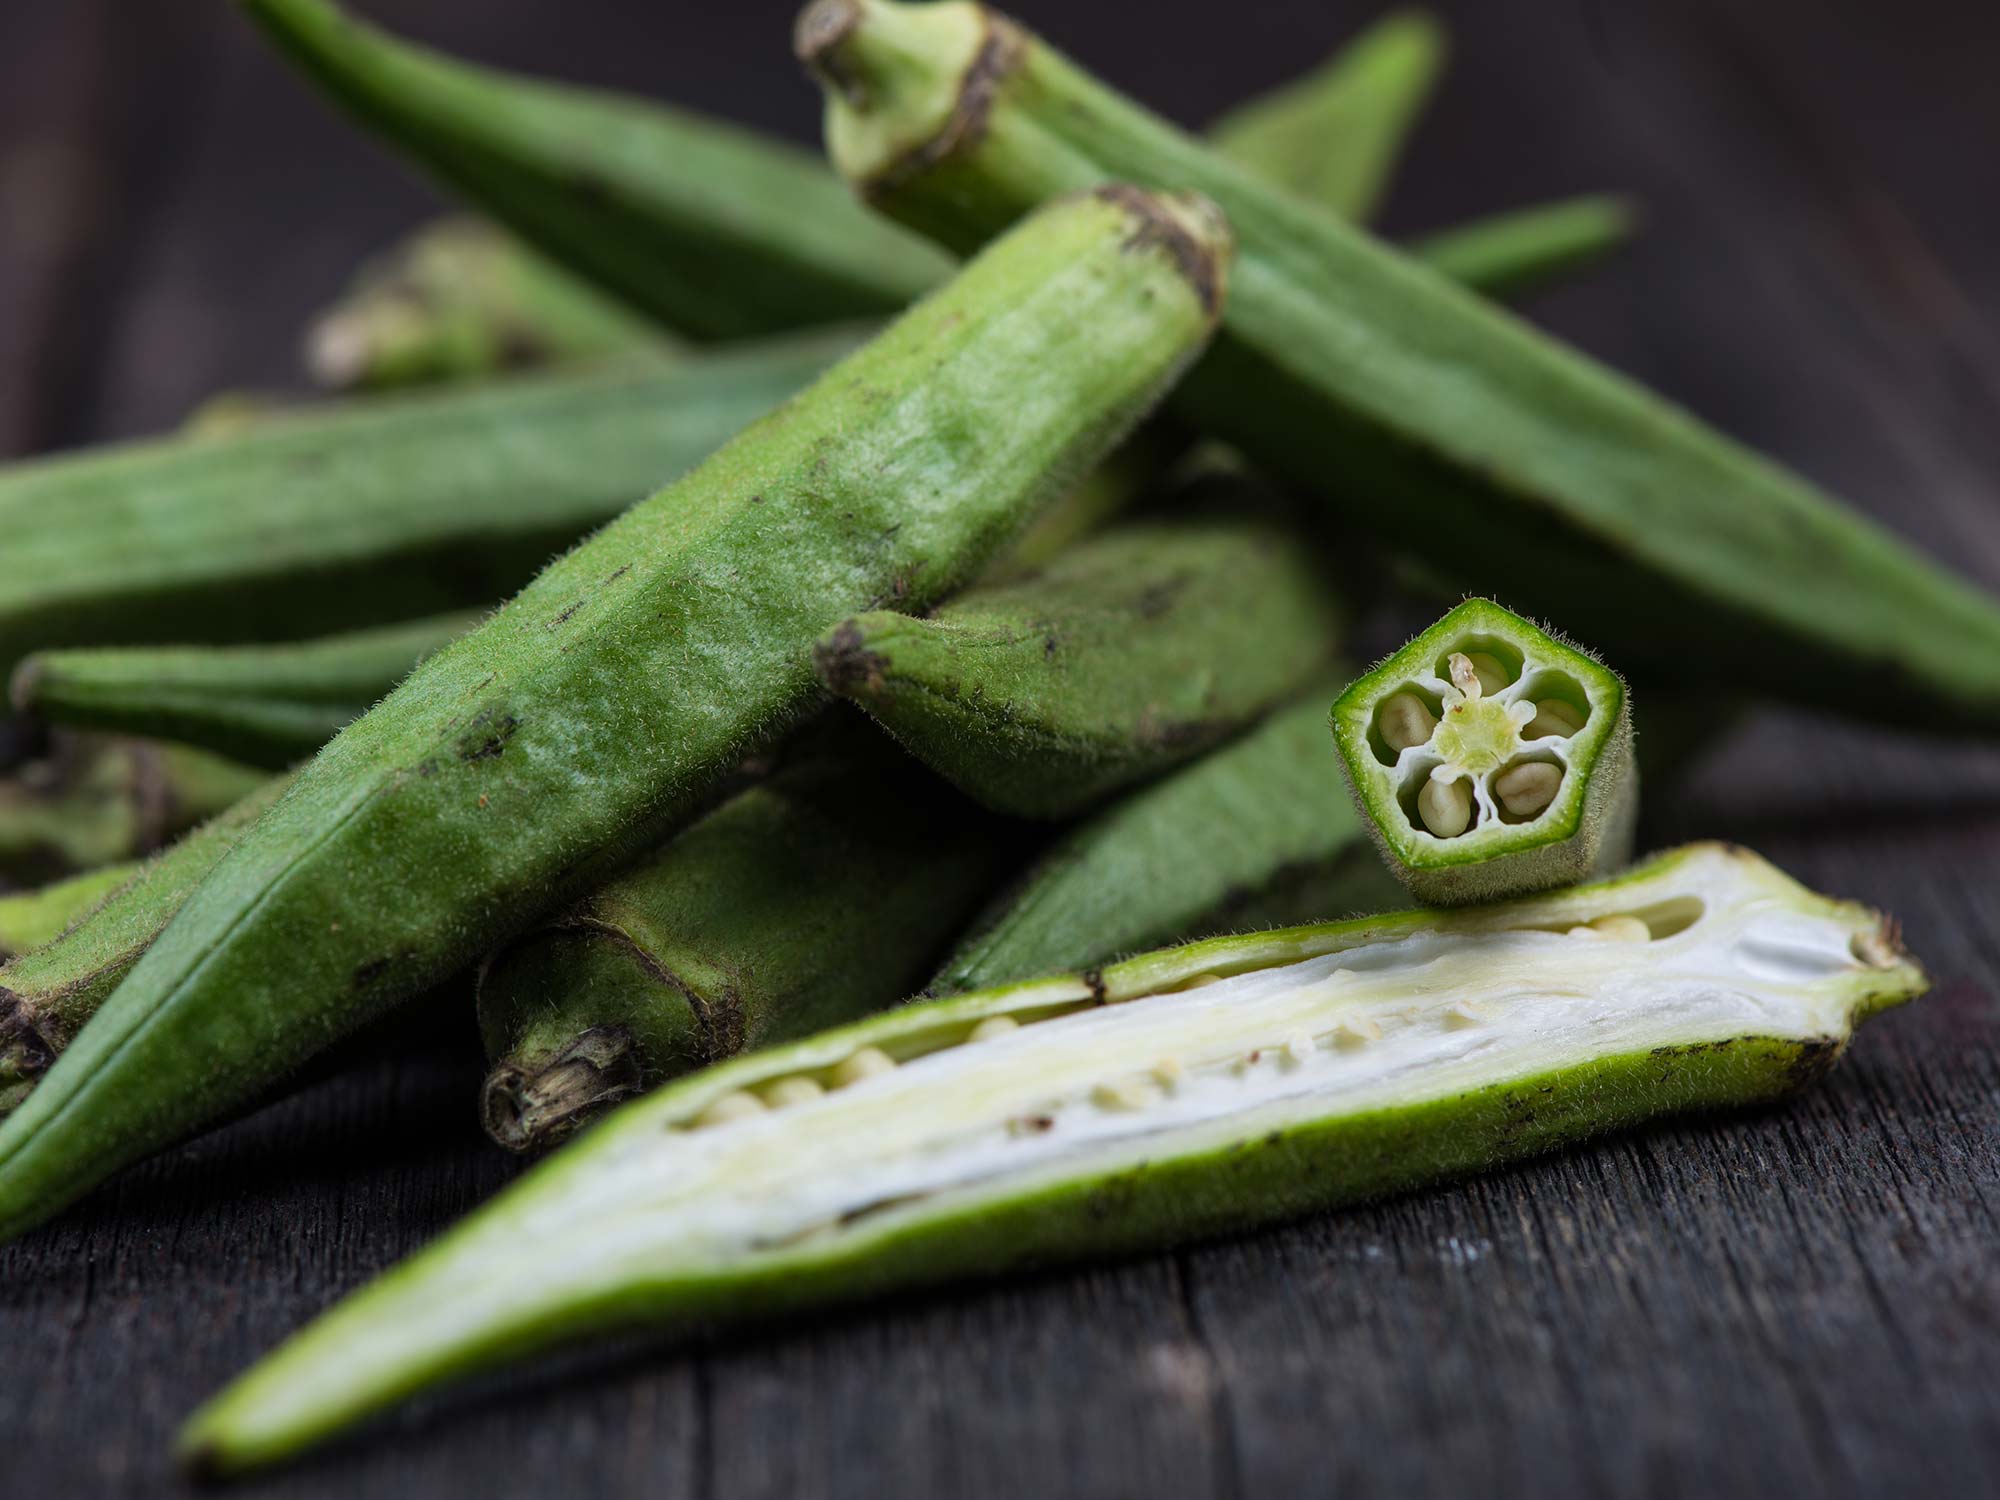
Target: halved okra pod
[518, 767]
[1432, 418]
[378, 510]
[48, 993]
[1490, 759]
[1125, 655]
[1256, 833]
[812, 898]
[1198, 1091]
[267, 705]
[461, 298]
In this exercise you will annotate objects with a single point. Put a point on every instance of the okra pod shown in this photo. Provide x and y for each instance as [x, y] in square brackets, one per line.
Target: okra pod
[1254, 834]
[815, 897]
[1510, 254]
[378, 510]
[94, 801]
[713, 231]
[520, 765]
[461, 298]
[1124, 656]
[1430, 417]
[33, 919]
[268, 705]
[1198, 1091]
[1333, 136]
[1490, 759]
[47, 994]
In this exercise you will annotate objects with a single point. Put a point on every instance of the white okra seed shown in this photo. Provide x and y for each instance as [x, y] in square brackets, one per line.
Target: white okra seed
[869, 1062]
[1526, 789]
[1169, 1071]
[738, 1105]
[1357, 1031]
[792, 1091]
[993, 1026]
[1487, 668]
[1445, 807]
[1553, 716]
[1405, 720]
[1299, 1046]
[1625, 929]
[1126, 1093]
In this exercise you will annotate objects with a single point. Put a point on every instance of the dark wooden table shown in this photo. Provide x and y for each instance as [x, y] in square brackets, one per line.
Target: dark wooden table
[1799, 1301]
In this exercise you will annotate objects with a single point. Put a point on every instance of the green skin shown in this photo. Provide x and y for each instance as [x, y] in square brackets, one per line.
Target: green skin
[96, 801]
[692, 221]
[460, 298]
[1432, 418]
[1254, 834]
[33, 919]
[1587, 829]
[384, 509]
[519, 766]
[1125, 656]
[265, 705]
[599, 1236]
[1508, 255]
[817, 897]
[47, 994]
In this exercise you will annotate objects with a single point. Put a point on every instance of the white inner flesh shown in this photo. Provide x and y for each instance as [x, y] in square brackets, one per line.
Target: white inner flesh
[1242, 1056]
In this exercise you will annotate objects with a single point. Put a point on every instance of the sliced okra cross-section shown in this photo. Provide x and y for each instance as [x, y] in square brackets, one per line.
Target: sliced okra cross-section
[1490, 759]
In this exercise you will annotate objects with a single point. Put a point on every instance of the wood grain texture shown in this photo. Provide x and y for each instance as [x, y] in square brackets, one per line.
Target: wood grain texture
[1798, 1300]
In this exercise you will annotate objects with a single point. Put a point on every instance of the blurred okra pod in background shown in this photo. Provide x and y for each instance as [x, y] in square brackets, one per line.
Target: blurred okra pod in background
[1509, 254]
[266, 705]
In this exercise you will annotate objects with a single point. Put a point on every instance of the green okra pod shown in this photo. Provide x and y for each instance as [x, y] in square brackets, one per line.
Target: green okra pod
[1124, 656]
[33, 919]
[714, 231]
[462, 298]
[815, 897]
[1432, 418]
[94, 801]
[379, 510]
[47, 994]
[520, 765]
[1510, 254]
[267, 705]
[1198, 1091]
[1490, 759]
[1256, 833]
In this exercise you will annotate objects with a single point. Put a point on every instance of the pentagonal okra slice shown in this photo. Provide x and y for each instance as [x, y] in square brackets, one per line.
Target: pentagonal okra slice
[1490, 758]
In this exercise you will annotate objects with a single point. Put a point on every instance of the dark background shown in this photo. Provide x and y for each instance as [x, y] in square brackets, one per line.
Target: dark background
[1799, 1300]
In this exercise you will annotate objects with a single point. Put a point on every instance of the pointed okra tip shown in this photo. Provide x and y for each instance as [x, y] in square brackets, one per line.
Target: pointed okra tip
[1490, 757]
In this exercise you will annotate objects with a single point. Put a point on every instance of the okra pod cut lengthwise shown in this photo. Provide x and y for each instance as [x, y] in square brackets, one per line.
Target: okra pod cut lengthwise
[1480, 446]
[1185, 1093]
[519, 765]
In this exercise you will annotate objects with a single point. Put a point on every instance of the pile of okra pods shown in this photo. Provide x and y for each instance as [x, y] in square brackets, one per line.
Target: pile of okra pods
[1037, 430]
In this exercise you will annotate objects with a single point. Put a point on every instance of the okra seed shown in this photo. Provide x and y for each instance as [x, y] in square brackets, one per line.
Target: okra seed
[1169, 1071]
[793, 1091]
[1299, 1047]
[1126, 1093]
[1405, 720]
[1466, 1013]
[1553, 716]
[1445, 807]
[1357, 1031]
[1526, 789]
[1624, 929]
[1487, 668]
[733, 1106]
[993, 1026]
[869, 1062]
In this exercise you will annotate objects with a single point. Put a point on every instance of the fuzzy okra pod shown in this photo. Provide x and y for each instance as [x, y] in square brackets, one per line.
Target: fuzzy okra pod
[47, 995]
[1125, 655]
[387, 508]
[1197, 1091]
[520, 765]
[462, 298]
[815, 897]
[1256, 833]
[94, 801]
[1490, 759]
[1433, 418]
[268, 705]
[33, 919]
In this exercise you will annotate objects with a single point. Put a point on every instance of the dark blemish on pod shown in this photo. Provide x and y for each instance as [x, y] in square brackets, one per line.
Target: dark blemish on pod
[1156, 229]
[366, 974]
[1093, 980]
[490, 744]
[845, 664]
[614, 576]
[566, 614]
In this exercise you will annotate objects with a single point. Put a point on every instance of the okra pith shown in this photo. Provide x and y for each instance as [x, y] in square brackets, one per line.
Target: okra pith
[810, 899]
[1254, 834]
[1125, 655]
[520, 765]
[377, 510]
[1490, 759]
[268, 705]
[1457, 432]
[1199, 1091]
